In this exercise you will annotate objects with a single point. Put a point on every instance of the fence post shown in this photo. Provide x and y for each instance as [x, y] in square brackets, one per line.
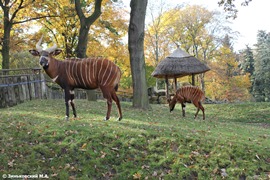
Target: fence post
[11, 93]
[43, 86]
[3, 94]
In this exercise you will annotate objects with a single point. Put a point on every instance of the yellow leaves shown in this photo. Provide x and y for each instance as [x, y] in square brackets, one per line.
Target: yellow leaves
[137, 176]
[84, 146]
[102, 153]
[225, 81]
[242, 81]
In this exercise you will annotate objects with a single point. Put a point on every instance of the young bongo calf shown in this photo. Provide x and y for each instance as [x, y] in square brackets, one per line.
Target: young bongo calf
[188, 94]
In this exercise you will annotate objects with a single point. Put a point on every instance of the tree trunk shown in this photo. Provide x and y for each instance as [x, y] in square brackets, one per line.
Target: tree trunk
[5, 47]
[6, 39]
[83, 40]
[85, 23]
[136, 51]
[202, 82]
[81, 53]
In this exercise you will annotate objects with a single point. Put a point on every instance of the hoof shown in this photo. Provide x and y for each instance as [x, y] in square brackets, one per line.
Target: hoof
[106, 118]
[119, 119]
[67, 118]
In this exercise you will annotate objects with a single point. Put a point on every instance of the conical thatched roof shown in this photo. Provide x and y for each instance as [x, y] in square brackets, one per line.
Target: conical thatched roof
[179, 64]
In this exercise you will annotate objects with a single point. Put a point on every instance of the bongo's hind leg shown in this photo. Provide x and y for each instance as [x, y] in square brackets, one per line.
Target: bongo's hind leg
[116, 100]
[202, 108]
[183, 109]
[107, 95]
[198, 109]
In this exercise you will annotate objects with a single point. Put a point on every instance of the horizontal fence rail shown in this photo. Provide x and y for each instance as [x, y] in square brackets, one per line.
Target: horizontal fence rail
[21, 83]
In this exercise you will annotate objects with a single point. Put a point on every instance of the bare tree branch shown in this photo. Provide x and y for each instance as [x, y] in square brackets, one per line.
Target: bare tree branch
[32, 19]
[16, 11]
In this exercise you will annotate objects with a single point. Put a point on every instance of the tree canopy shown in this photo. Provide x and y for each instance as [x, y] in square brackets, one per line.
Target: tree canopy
[261, 84]
[202, 33]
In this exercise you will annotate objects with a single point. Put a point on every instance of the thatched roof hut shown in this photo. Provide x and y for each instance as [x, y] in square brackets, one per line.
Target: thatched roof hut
[177, 65]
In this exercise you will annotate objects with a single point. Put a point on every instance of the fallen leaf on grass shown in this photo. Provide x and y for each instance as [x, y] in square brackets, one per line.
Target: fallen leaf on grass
[103, 154]
[71, 178]
[223, 172]
[195, 153]
[10, 163]
[258, 157]
[145, 167]
[137, 176]
[54, 175]
[154, 174]
[181, 155]
[67, 166]
[185, 165]
[215, 171]
[115, 149]
[70, 132]
[84, 146]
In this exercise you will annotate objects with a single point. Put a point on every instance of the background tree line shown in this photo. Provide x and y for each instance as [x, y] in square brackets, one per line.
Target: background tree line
[256, 62]
[202, 33]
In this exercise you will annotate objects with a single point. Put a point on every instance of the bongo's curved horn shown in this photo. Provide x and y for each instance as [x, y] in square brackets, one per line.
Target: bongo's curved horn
[51, 49]
[38, 45]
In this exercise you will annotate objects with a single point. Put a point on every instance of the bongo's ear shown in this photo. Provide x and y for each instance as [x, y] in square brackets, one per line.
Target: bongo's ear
[56, 52]
[34, 52]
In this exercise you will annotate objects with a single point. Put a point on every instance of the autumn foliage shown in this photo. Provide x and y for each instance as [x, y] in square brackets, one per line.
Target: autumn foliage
[194, 29]
[225, 80]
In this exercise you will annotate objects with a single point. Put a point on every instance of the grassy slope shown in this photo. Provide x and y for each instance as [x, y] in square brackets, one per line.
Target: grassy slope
[233, 141]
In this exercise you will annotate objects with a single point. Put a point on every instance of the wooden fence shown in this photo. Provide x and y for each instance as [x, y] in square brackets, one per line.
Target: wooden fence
[20, 85]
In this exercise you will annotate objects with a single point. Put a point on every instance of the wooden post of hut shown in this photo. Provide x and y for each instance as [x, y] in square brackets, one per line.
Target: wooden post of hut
[167, 88]
[175, 84]
[193, 79]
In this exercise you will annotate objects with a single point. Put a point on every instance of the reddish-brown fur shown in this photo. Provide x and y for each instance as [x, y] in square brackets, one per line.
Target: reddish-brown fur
[188, 94]
[87, 73]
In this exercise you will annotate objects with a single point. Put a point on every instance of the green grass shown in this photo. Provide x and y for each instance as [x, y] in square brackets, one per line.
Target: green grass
[233, 142]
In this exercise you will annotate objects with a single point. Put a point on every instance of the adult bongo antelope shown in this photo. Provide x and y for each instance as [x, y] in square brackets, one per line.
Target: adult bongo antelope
[188, 94]
[87, 73]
